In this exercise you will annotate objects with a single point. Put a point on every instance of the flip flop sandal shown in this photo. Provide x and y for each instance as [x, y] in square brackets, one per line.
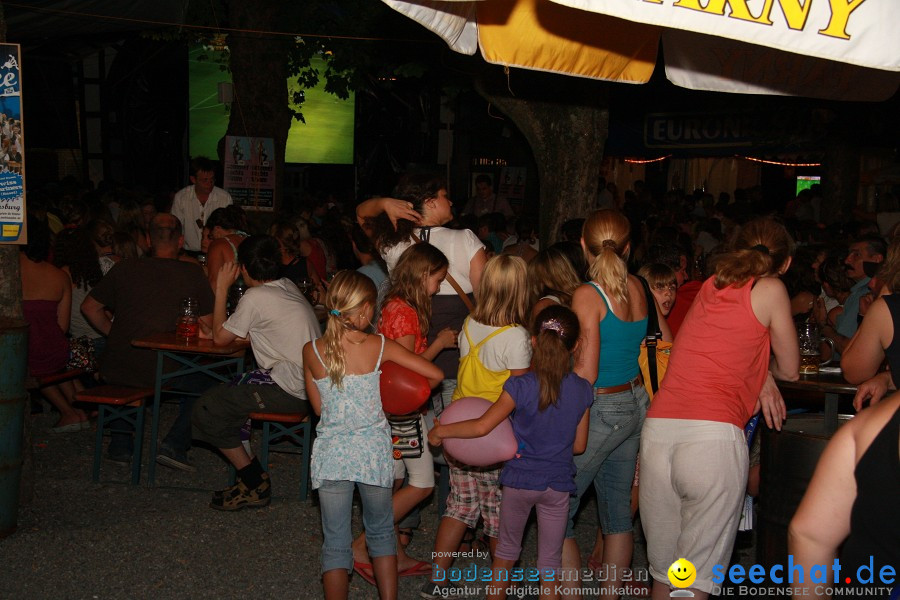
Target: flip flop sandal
[417, 570]
[365, 571]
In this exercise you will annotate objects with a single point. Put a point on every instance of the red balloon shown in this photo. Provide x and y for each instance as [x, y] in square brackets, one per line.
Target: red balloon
[402, 390]
[496, 447]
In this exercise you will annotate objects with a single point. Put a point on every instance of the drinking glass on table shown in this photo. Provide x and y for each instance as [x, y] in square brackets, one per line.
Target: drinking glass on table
[811, 349]
[187, 327]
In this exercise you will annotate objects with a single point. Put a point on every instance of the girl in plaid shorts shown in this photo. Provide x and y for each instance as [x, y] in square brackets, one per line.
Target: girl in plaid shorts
[493, 346]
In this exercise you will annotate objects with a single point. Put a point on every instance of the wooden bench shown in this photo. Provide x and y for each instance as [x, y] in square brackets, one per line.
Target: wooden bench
[296, 431]
[118, 402]
[36, 383]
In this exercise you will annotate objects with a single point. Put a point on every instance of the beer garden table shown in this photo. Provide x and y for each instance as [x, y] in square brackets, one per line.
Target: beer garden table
[219, 363]
[831, 384]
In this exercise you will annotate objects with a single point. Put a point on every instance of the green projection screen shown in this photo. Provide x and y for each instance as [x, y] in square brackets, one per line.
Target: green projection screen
[325, 138]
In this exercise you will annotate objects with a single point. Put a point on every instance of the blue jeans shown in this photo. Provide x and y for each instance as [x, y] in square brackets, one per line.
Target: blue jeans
[609, 460]
[336, 504]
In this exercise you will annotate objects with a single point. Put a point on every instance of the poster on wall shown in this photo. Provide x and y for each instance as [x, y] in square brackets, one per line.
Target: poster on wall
[250, 172]
[512, 183]
[12, 163]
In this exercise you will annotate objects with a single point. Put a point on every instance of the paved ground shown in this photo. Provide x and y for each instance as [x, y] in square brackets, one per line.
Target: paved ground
[111, 540]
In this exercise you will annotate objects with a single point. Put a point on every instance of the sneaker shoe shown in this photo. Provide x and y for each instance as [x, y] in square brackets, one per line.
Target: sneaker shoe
[240, 496]
[436, 591]
[176, 460]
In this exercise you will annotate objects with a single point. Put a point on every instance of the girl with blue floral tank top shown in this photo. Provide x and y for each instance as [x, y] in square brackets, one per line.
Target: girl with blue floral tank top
[353, 443]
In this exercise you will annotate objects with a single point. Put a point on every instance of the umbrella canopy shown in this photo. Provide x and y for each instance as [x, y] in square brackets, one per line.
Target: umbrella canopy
[836, 49]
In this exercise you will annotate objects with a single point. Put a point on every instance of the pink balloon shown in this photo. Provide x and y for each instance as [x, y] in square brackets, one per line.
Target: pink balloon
[496, 447]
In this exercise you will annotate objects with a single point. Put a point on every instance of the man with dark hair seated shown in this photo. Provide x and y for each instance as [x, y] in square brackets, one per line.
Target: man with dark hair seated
[146, 294]
[277, 318]
[864, 254]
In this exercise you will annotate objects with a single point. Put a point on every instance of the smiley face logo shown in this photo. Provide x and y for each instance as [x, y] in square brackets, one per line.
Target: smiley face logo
[682, 573]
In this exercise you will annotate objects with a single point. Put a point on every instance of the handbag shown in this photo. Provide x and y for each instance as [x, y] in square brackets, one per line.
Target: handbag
[655, 352]
[82, 354]
[406, 436]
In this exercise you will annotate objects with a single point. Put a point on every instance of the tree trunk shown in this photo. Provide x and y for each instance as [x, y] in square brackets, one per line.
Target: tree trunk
[841, 185]
[567, 141]
[10, 283]
[259, 72]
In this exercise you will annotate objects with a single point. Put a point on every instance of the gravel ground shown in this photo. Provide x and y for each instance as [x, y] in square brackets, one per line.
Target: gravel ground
[111, 540]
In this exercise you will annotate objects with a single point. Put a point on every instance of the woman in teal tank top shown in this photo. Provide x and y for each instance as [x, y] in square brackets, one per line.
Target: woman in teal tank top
[612, 311]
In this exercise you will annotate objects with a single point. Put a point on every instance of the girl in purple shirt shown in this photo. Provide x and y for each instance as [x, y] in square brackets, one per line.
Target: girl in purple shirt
[549, 407]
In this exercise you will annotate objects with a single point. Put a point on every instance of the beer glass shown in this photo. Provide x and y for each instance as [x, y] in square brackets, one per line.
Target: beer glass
[810, 349]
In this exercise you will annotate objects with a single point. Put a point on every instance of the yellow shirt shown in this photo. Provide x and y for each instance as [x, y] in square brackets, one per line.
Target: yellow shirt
[473, 378]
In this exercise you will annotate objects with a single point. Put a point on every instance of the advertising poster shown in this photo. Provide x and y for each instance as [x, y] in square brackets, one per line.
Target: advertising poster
[12, 170]
[512, 183]
[250, 172]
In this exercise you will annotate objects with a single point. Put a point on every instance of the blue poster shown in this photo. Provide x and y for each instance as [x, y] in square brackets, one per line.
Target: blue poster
[12, 162]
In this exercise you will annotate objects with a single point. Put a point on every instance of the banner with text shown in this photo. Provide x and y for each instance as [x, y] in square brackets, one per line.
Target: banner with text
[859, 32]
[12, 169]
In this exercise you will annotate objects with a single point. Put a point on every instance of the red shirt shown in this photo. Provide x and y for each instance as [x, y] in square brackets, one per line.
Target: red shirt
[316, 258]
[398, 319]
[683, 300]
[719, 360]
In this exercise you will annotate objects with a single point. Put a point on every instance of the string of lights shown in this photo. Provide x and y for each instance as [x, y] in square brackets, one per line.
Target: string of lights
[635, 161]
[778, 162]
[159, 23]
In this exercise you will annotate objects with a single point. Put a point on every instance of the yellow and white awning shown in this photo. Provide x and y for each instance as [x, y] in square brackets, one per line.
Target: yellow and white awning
[838, 49]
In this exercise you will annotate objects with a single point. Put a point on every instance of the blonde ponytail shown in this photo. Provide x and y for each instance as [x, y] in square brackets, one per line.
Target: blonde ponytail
[347, 294]
[605, 237]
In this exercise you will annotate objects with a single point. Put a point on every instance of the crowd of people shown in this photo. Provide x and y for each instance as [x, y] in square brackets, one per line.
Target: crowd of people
[551, 336]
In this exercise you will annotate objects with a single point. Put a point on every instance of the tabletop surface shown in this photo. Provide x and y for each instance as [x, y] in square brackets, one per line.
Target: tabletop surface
[824, 382]
[168, 341]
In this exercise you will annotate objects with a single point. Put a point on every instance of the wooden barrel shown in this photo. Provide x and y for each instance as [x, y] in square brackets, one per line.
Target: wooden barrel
[787, 462]
[13, 397]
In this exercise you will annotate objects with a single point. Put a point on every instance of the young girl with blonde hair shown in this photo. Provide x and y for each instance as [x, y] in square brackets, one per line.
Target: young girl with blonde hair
[353, 445]
[612, 311]
[493, 346]
[405, 319]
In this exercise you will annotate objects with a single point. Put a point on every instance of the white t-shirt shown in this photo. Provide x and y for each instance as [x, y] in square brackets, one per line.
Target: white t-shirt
[508, 350]
[279, 321]
[188, 209]
[459, 245]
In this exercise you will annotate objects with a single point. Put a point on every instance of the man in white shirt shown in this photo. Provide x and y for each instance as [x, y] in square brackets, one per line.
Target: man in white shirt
[604, 196]
[193, 204]
[485, 201]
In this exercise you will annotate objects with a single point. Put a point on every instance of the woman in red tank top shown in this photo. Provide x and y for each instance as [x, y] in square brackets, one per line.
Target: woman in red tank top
[694, 457]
